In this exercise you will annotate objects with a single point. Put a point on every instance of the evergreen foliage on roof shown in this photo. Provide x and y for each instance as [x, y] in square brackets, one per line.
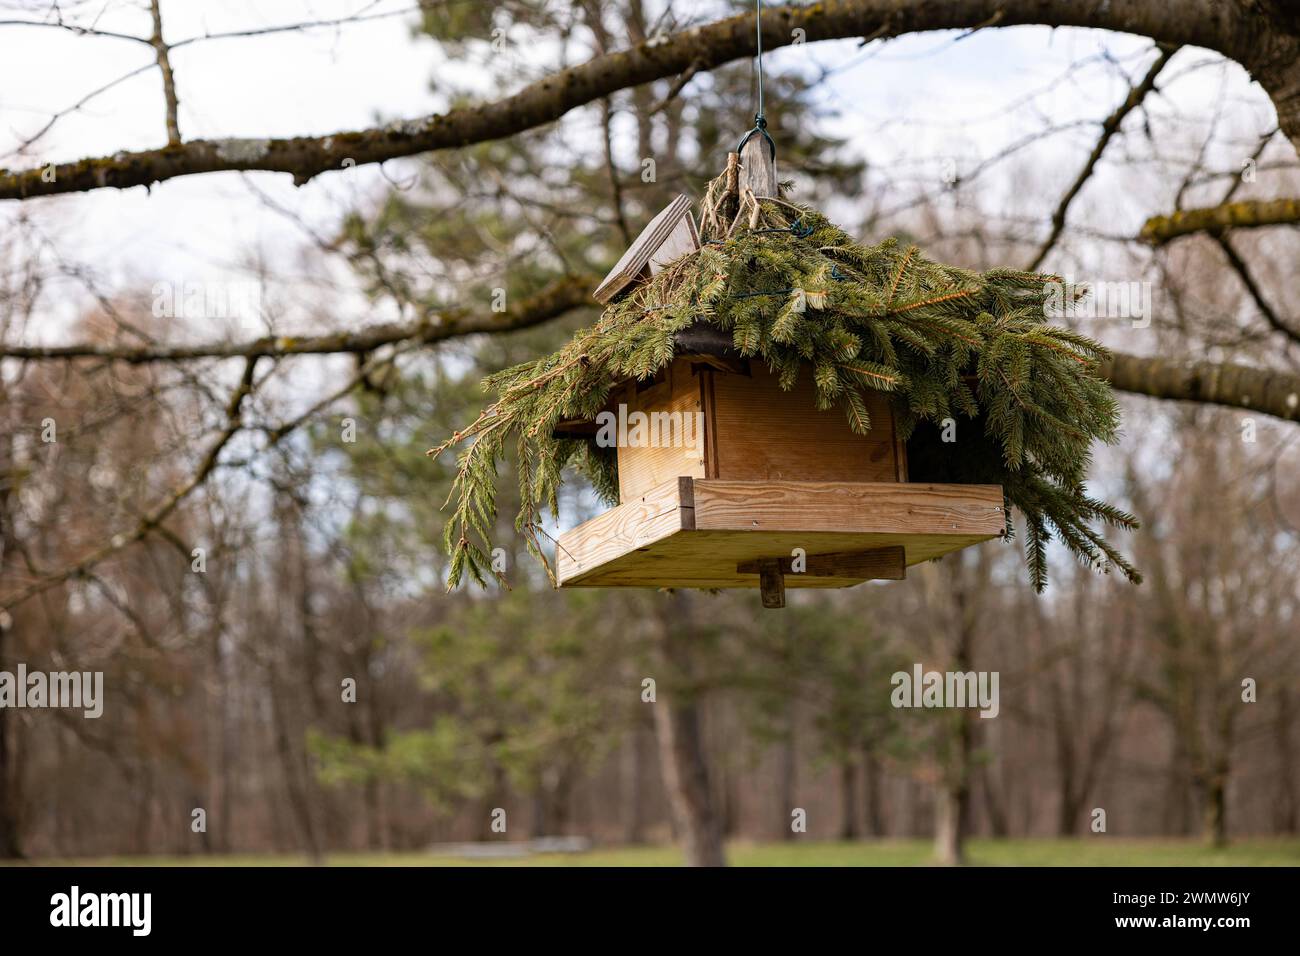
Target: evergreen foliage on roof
[797, 293]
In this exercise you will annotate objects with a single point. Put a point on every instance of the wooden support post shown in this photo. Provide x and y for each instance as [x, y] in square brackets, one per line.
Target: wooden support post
[757, 168]
[771, 581]
[732, 181]
[731, 193]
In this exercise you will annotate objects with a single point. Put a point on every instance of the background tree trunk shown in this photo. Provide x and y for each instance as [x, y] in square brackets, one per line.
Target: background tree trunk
[1287, 815]
[952, 802]
[789, 772]
[874, 807]
[634, 773]
[681, 743]
[9, 845]
[848, 800]
[9, 801]
[994, 801]
[963, 576]
[1215, 814]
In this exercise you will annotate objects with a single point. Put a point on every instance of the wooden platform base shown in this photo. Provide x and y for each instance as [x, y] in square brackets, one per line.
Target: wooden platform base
[720, 533]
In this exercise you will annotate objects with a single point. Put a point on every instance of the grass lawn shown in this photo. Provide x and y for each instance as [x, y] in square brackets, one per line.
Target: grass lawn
[1095, 851]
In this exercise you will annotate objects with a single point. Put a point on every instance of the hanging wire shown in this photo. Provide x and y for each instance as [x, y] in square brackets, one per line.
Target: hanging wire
[758, 37]
[760, 119]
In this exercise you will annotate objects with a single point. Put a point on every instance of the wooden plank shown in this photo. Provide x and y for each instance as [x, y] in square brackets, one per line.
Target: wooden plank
[634, 524]
[849, 507]
[697, 532]
[708, 559]
[757, 168]
[637, 257]
[707, 376]
[880, 564]
[686, 501]
[760, 432]
[682, 241]
[643, 467]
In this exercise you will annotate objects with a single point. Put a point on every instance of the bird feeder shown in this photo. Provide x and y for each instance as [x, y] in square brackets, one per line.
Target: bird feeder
[768, 403]
[758, 487]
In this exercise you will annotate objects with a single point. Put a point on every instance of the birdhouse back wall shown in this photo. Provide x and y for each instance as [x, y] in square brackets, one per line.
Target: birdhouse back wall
[752, 430]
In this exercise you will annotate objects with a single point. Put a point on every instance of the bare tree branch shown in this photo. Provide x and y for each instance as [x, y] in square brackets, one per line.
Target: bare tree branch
[1248, 280]
[73, 28]
[615, 187]
[162, 51]
[1239, 179]
[679, 84]
[556, 299]
[35, 137]
[297, 27]
[1262, 35]
[367, 368]
[306, 25]
[153, 521]
[155, 516]
[1109, 128]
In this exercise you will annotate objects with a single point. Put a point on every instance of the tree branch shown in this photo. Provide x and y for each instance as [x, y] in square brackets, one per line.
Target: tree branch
[159, 513]
[559, 297]
[163, 53]
[1248, 280]
[1264, 39]
[1246, 214]
[1109, 128]
[1217, 383]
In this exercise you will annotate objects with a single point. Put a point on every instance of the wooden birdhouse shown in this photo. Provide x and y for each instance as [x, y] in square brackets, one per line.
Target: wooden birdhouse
[726, 480]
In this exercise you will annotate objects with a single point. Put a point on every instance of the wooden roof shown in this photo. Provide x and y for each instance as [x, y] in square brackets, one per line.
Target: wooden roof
[638, 256]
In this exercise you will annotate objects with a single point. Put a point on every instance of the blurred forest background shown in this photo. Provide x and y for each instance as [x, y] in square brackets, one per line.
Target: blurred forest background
[322, 560]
